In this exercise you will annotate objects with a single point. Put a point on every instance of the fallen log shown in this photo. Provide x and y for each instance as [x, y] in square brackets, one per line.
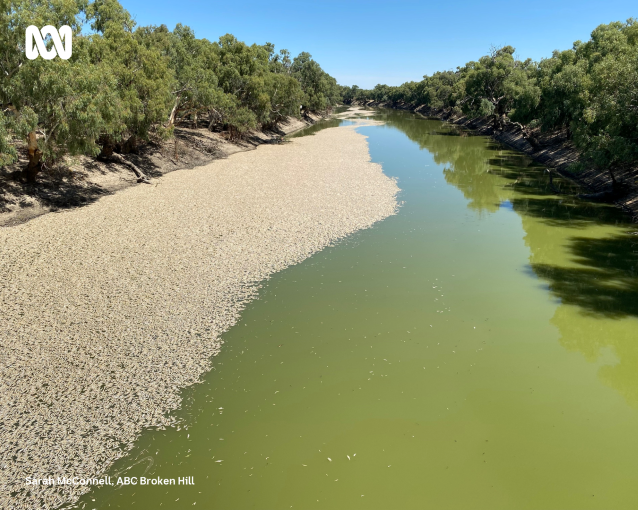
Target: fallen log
[141, 176]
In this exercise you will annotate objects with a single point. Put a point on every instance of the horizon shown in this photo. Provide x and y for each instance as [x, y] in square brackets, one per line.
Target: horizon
[323, 31]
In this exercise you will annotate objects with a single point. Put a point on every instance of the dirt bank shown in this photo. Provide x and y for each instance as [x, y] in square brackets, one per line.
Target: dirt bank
[554, 150]
[83, 180]
[108, 310]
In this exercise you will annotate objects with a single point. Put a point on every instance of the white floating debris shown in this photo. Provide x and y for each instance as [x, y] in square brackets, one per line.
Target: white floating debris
[136, 360]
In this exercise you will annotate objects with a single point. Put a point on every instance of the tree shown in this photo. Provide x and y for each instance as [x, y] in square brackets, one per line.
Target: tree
[498, 84]
[280, 63]
[193, 62]
[124, 84]
[607, 131]
[438, 90]
[142, 74]
[319, 88]
[57, 106]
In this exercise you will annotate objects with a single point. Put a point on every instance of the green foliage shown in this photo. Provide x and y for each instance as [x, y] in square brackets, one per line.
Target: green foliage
[73, 103]
[350, 94]
[143, 79]
[128, 82]
[240, 119]
[69, 103]
[498, 84]
[279, 63]
[607, 128]
[319, 88]
[590, 90]
[189, 83]
[439, 90]
[8, 152]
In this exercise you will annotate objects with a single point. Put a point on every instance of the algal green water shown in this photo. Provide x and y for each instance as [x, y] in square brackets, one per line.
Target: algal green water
[479, 350]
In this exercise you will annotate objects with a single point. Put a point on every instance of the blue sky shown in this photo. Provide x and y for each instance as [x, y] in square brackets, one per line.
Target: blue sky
[370, 42]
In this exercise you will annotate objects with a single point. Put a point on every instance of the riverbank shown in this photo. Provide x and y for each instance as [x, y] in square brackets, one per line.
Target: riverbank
[83, 180]
[554, 150]
[109, 310]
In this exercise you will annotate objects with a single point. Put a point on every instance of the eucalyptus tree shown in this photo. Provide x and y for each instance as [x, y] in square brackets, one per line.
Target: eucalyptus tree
[499, 84]
[439, 90]
[144, 79]
[125, 83]
[607, 129]
[57, 106]
[350, 94]
[193, 62]
[319, 88]
[281, 62]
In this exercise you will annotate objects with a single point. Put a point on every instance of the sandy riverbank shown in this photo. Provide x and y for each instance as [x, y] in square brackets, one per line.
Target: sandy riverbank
[108, 310]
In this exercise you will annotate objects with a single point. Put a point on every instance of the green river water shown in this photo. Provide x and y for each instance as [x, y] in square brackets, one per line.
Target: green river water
[479, 350]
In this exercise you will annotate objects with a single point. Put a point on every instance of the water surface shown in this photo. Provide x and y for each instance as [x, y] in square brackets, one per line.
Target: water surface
[476, 351]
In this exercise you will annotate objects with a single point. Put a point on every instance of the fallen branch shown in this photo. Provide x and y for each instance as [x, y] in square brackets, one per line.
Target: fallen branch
[141, 177]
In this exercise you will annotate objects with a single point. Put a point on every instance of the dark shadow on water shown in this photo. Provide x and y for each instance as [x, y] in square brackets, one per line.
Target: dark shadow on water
[604, 281]
[564, 213]
[607, 282]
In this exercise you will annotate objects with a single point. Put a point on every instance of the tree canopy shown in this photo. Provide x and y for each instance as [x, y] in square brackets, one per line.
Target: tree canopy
[590, 90]
[125, 83]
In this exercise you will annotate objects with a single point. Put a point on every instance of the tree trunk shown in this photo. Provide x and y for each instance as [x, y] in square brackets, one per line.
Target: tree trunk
[214, 117]
[171, 118]
[34, 165]
[141, 177]
[614, 184]
[130, 145]
[108, 146]
[529, 135]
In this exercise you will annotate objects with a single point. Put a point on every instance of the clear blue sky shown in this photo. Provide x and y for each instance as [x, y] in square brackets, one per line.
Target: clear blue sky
[369, 42]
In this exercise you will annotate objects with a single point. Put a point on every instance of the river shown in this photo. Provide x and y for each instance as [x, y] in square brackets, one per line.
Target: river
[479, 350]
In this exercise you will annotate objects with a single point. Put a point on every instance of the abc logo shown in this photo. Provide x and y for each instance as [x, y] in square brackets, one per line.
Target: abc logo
[34, 34]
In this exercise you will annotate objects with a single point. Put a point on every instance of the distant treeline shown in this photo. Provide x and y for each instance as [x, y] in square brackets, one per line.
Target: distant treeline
[590, 91]
[125, 83]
